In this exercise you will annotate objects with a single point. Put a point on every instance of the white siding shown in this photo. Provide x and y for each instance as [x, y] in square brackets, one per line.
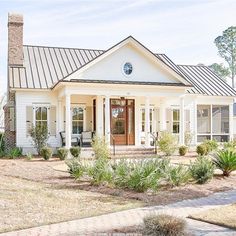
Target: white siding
[111, 68]
[24, 99]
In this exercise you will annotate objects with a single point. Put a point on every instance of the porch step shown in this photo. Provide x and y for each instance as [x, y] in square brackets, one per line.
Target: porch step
[123, 152]
[132, 152]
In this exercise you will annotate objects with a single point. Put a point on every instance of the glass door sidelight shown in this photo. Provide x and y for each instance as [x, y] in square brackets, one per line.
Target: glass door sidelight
[122, 121]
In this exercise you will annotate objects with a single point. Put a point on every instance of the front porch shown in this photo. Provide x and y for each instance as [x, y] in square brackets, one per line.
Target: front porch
[123, 120]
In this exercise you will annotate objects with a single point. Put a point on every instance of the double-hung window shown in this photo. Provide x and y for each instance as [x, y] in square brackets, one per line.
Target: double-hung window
[78, 119]
[175, 119]
[41, 116]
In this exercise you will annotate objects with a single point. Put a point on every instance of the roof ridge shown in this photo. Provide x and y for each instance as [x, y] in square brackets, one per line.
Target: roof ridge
[45, 46]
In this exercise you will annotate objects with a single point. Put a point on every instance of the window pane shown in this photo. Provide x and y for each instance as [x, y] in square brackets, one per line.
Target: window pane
[38, 113]
[221, 138]
[175, 127]
[77, 127]
[74, 127]
[80, 114]
[143, 126]
[220, 119]
[75, 113]
[201, 138]
[203, 119]
[176, 115]
[44, 113]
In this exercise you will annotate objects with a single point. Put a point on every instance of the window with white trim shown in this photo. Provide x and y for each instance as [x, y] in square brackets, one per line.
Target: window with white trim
[213, 122]
[78, 120]
[41, 115]
[175, 121]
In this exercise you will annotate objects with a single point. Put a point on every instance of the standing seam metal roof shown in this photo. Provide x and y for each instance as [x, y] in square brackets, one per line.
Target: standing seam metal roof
[46, 66]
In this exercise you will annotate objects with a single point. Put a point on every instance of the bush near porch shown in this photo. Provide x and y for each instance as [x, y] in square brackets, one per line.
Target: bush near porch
[148, 175]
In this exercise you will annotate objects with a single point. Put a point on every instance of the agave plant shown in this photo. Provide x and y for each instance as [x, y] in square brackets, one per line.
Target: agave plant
[225, 160]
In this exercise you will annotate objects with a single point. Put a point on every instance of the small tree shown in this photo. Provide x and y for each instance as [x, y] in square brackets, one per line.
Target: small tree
[39, 135]
[167, 143]
[226, 44]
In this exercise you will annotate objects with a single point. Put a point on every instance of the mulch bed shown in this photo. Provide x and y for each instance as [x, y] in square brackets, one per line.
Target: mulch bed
[42, 171]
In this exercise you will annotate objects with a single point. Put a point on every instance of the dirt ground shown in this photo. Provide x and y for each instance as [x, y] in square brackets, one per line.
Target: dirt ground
[33, 194]
[42, 171]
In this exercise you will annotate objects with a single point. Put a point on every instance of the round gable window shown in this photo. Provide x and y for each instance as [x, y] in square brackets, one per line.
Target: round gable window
[127, 68]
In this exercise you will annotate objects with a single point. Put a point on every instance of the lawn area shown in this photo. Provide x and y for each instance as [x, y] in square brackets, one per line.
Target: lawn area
[25, 203]
[33, 193]
[223, 216]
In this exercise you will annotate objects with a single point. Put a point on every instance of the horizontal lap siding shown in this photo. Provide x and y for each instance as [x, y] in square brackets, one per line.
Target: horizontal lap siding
[22, 101]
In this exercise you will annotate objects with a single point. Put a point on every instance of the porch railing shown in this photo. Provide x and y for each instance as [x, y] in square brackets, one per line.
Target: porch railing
[113, 145]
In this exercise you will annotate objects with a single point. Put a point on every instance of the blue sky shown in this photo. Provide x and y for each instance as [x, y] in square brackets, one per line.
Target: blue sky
[183, 29]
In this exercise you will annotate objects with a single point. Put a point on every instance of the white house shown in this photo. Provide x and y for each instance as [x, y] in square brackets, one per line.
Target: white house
[125, 93]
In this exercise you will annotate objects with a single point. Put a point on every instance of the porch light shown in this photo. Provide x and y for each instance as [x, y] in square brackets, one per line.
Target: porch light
[122, 101]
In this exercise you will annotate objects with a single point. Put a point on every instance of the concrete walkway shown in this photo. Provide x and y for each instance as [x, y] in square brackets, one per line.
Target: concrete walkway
[89, 226]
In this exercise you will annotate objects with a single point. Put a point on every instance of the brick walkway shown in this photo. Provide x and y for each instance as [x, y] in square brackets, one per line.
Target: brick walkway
[89, 226]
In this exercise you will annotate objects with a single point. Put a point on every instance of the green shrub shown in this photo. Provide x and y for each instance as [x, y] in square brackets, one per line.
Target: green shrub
[177, 175]
[62, 153]
[75, 168]
[164, 225]
[39, 135]
[100, 148]
[101, 172]
[149, 174]
[183, 150]
[46, 153]
[211, 145]
[201, 150]
[202, 170]
[29, 156]
[188, 137]
[167, 143]
[15, 152]
[230, 145]
[121, 173]
[225, 160]
[75, 151]
[2, 143]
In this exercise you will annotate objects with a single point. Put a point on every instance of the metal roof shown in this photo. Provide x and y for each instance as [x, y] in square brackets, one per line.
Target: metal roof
[45, 66]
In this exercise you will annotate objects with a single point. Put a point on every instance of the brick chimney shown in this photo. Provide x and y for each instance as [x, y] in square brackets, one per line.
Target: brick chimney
[15, 39]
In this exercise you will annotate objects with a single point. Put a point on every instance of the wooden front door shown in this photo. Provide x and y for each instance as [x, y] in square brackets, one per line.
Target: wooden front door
[122, 121]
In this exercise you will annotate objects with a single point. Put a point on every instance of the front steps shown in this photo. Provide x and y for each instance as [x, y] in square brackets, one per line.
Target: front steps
[122, 152]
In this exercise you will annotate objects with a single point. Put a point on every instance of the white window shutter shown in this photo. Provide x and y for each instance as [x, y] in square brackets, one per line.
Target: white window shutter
[29, 119]
[169, 120]
[53, 121]
[64, 117]
[158, 119]
[88, 116]
[187, 120]
[12, 119]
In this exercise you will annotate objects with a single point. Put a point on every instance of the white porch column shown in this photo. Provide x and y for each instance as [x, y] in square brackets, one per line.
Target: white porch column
[99, 116]
[181, 122]
[68, 121]
[107, 119]
[231, 121]
[60, 113]
[195, 122]
[147, 122]
[162, 115]
[137, 122]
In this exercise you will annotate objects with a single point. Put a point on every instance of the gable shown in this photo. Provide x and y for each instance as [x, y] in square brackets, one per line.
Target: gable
[110, 68]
